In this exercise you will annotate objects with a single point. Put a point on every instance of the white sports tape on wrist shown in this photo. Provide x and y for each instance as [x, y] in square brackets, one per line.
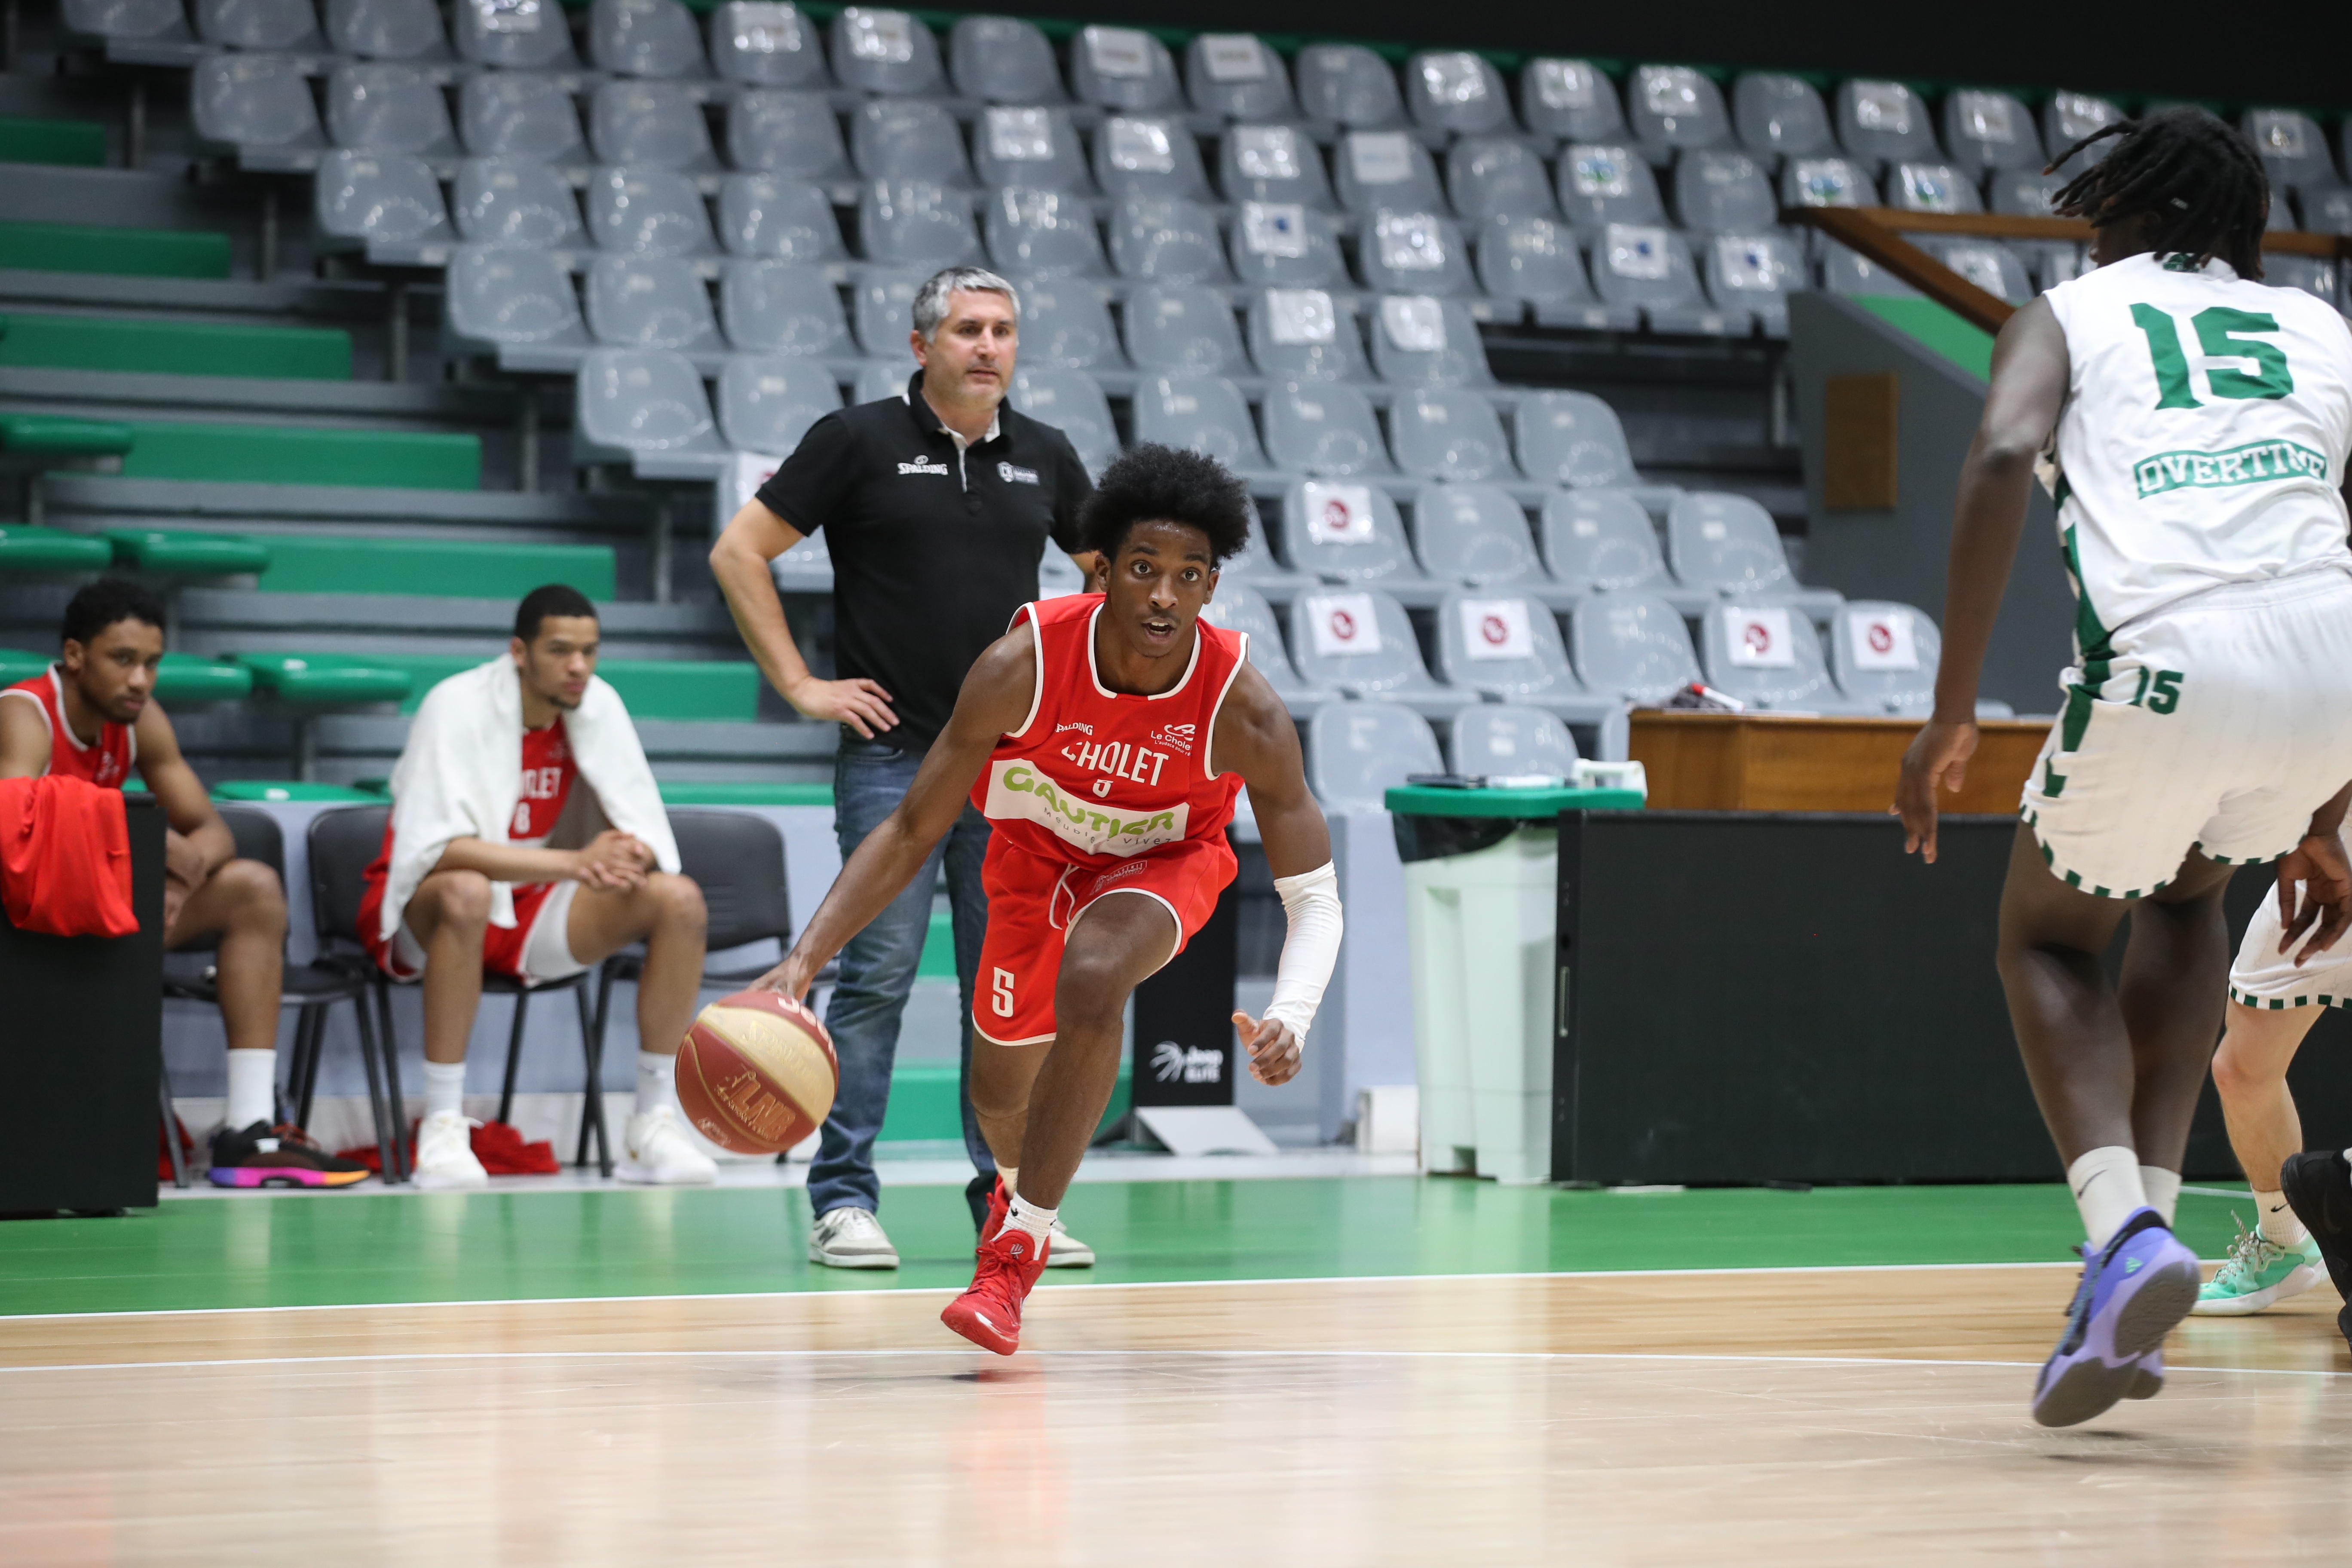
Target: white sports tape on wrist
[1309, 949]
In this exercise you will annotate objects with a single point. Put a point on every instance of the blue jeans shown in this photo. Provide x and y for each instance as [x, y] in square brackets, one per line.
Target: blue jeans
[877, 970]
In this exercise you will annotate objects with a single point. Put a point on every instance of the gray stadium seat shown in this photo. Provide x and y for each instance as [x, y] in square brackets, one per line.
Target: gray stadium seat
[784, 220]
[2066, 119]
[513, 35]
[1601, 184]
[656, 123]
[1722, 192]
[2024, 192]
[1238, 608]
[1987, 263]
[1357, 752]
[907, 139]
[253, 100]
[1486, 175]
[766, 402]
[160, 22]
[1071, 401]
[1572, 101]
[1323, 429]
[1376, 169]
[647, 211]
[1536, 260]
[642, 402]
[881, 380]
[1827, 182]
[508, 298]
[2325, 209]
[1359, 640]
[1650, 267]
[1572, 438]
[1003, 59]
[1931, 188]
[765, 43]
[1500, 739]
[388, 109]
[884, 52]
[1507, 646]
[1449, 432]
[1034, 147]
[1148, 155]
[2308, 273]
[277, 25]
[1884, 656]
[1255, 567]
[778, 308]
[1602, 541]
[644, 37]
[517, 114]
[386, 29]
[1844, 271]
[1780, 117]
[1346, 85]
[1881, 122]
[883, 311]
[1672, 108]
[1414, 253]
[1985, 132]
[1755, 273]
[650, 303]
[1339, 532]
[1183, 330]
[1457, 92]
[1272, 164]
[383, 197]
[1632, 646]
[1235, 76]
[1419, 340]
[1203, 414]
[1043, 234]
[1730, 544]
[1124, 69]
[1476, 535]
[2292, 147]
[513, 202]
[915, 224]
[1166, 240]
[794, 135]
[1769, 657]
[1066, 324]
[1299, 334]
[1282, 245]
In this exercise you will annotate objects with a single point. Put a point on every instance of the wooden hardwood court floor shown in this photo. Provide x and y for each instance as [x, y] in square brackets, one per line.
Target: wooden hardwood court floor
[1757, 1417]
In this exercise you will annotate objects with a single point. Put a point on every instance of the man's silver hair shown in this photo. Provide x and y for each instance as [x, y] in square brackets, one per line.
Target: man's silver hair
[932, 299]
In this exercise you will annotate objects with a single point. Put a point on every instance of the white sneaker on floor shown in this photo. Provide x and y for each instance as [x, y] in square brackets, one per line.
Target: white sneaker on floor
[444, 1154]
[656, 1152]
[850, 1239]
[1066, 1251]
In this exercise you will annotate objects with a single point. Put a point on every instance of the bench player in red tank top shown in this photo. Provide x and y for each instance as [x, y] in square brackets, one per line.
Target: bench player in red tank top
[1106, 737]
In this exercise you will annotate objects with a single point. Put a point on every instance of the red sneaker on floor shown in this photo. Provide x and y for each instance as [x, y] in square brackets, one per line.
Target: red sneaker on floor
[989, 1314]
[1000, 1203]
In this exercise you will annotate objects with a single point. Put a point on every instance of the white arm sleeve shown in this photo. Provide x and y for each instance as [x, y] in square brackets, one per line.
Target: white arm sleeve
[1309, 949]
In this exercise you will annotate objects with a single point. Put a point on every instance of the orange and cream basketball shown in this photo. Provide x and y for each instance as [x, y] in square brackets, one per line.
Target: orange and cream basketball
[757, 1074]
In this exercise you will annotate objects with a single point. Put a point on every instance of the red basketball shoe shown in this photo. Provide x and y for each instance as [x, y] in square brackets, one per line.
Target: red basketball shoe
[989, 1314]
[1000, 1203]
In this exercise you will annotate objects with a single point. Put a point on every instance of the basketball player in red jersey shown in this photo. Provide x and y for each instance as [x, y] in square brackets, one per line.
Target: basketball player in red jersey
[1106, 737]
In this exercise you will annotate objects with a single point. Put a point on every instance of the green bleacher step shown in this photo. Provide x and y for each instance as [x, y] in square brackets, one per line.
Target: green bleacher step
[197, 554]
[325, 679]
[451, 568]
[272, 789]
[731, 794]
[289, 455]
[926, 1103]
[25, 548]
[21, 664]
[80, 143]
[681, 689]
[121, 252]
[1937, 328]
[173, 348]
[190, 678]
[59, 436]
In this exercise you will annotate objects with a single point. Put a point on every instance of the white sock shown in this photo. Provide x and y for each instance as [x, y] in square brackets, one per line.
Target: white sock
[252, 1088]
[1012, 1175]
[658, 1082]
[2107, 1188]
[1028, 1216]
[445, 1087]
[2163, 1190]
[2276, 1220]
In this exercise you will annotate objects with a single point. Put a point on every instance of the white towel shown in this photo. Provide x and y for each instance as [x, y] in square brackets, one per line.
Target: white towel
[460, 776]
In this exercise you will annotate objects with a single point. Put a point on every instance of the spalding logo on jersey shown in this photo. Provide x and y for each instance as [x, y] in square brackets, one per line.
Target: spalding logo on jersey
[1018, 791]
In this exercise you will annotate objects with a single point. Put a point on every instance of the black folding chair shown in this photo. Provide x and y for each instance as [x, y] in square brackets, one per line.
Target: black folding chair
[343, 842]
[191, 975]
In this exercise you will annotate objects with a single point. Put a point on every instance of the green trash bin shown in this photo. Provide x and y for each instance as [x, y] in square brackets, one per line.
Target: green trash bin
[1481, 881]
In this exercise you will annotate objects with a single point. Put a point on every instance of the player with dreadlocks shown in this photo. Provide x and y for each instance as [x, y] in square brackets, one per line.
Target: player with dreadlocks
[2192, 425]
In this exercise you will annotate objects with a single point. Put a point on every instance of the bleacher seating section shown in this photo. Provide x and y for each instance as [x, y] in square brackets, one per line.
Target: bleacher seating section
[477, 295]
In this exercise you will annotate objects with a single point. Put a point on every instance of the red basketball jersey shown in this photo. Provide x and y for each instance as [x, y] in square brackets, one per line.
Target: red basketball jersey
[105, 761]
[1095, 776]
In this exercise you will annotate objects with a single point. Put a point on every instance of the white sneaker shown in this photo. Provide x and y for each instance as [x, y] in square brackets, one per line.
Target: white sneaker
[656, 1152]
[444, 1154]
[1066, 1251]
[850, 1239]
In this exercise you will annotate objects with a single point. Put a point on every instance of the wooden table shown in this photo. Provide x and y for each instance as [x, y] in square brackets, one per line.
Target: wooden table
[1763, 762]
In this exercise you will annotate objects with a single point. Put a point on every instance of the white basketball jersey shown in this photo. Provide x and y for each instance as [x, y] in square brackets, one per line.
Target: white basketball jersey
[2207, 424]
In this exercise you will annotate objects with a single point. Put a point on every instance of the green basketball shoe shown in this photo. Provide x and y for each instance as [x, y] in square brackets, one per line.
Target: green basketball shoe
[2258, 1273]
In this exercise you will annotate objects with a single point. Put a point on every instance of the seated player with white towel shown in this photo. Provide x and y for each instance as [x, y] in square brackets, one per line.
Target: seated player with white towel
[527, 840]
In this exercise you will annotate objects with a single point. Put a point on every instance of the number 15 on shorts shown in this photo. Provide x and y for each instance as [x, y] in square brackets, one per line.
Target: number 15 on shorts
[1000, 993]
[2159, 692]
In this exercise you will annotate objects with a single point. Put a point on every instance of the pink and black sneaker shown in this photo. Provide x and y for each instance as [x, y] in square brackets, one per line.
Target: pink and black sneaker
[280, 1156]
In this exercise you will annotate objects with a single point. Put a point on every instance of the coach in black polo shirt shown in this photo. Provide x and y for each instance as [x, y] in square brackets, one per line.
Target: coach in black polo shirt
[937, 507]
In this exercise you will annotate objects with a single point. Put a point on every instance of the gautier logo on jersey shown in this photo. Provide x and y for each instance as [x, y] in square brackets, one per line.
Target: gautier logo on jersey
[1017, 791]
[925, 466]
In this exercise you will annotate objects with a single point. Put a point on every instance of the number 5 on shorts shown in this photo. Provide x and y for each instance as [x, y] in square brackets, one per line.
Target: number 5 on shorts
[1000, 993]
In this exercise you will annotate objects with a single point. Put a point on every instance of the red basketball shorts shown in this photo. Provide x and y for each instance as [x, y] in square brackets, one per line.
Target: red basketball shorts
[1034, 902]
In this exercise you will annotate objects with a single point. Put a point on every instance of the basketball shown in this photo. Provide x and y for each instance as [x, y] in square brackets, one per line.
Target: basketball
[757, 1074]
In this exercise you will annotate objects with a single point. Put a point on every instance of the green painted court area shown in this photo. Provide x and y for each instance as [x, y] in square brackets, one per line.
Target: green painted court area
[359, 1248]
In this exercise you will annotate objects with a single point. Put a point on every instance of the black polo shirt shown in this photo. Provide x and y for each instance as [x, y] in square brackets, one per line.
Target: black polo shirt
[933, 550]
